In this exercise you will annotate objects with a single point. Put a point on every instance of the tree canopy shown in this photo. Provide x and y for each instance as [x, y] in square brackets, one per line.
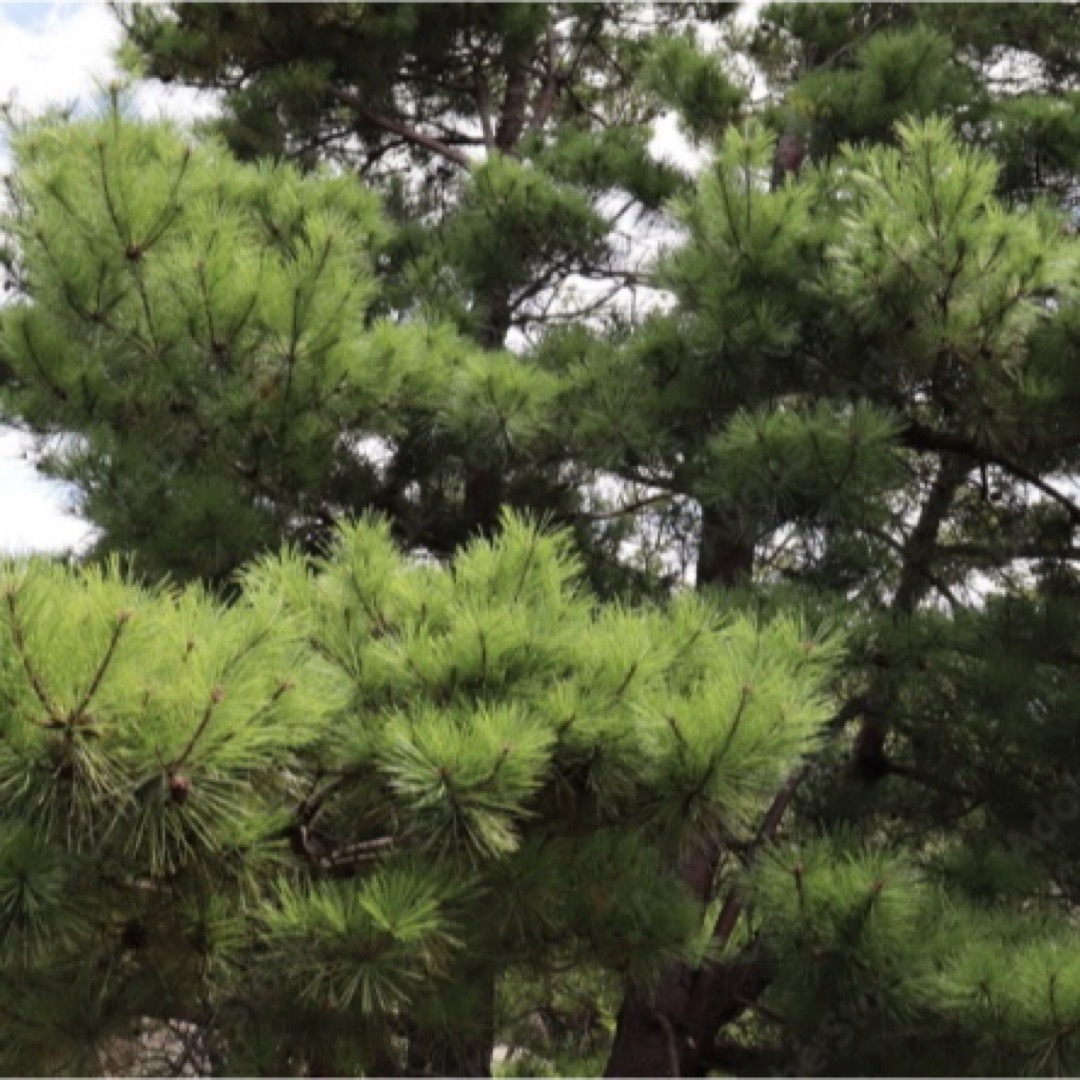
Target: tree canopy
[558, 607]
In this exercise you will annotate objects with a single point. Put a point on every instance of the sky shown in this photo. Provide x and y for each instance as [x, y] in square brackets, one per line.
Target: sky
[56, 54]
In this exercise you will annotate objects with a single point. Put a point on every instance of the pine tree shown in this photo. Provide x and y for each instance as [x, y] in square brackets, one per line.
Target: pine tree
[876, 348]
[308, 833]
[195, 340]
[902, 364]
[512, 143]
[857, 404]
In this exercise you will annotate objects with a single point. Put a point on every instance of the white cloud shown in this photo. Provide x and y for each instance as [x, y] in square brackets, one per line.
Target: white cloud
[34, 514]
[57, 53]
[51, 53]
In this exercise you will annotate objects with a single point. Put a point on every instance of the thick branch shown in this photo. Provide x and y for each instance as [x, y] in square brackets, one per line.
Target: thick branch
[396, 127]
[729, 914]
[919, 437]
[346, 857]
[545, 102]
[920, 569]
[915, 575]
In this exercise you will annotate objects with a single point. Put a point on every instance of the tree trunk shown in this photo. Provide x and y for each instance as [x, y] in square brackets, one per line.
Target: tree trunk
[651, 1032]
[484, 485]
[468, 1049]
[483, 499]
[646, 1040]
[726, 552]
[672, 1031]
[869, 759]
[660, 1034]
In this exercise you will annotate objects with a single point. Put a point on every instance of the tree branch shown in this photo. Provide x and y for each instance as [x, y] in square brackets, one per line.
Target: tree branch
[18, 638]
[919, 569]
[396, 127]
[122, 619]
[1021, 550]
[629, 508]
[545, 102]
[919, 437]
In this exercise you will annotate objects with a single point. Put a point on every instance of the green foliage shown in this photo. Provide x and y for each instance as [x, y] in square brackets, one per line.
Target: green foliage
[1023, 1010]
[413, 794]
[212, 306]
[694, 84]
[376, 942]
[928, 246]
[149, 740]
[764, 241]
[452, 752]
[895, 75]
[810, 463]
[879, 949]
[617, 157]
[200, 326]
[122, 706]
[829, 891]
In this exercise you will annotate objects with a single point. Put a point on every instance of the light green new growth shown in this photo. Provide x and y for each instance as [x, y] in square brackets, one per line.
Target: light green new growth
[362, 775]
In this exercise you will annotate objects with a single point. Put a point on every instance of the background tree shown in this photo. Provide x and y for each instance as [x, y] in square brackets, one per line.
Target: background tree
[512, 143]
[849, 72]
[891, 367]
[197, 336]
[766, 317]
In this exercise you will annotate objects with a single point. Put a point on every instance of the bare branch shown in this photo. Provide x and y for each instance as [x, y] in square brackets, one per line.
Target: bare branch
[629, 508]
[396, 127]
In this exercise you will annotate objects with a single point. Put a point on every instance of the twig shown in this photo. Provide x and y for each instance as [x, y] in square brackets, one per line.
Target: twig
[396, 127]
[122, 619]
[18, 637]
[216, 696]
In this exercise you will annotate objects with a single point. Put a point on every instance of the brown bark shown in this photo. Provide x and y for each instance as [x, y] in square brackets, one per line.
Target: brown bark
[726, 552]
[672, 1031]
[483, 499]
[870, 761]
[720, 993]
[651, 1032]
[919, 550]
[788, 158]
[647, 1041]
[512, 119]
[661, 1033]
[484, 486]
